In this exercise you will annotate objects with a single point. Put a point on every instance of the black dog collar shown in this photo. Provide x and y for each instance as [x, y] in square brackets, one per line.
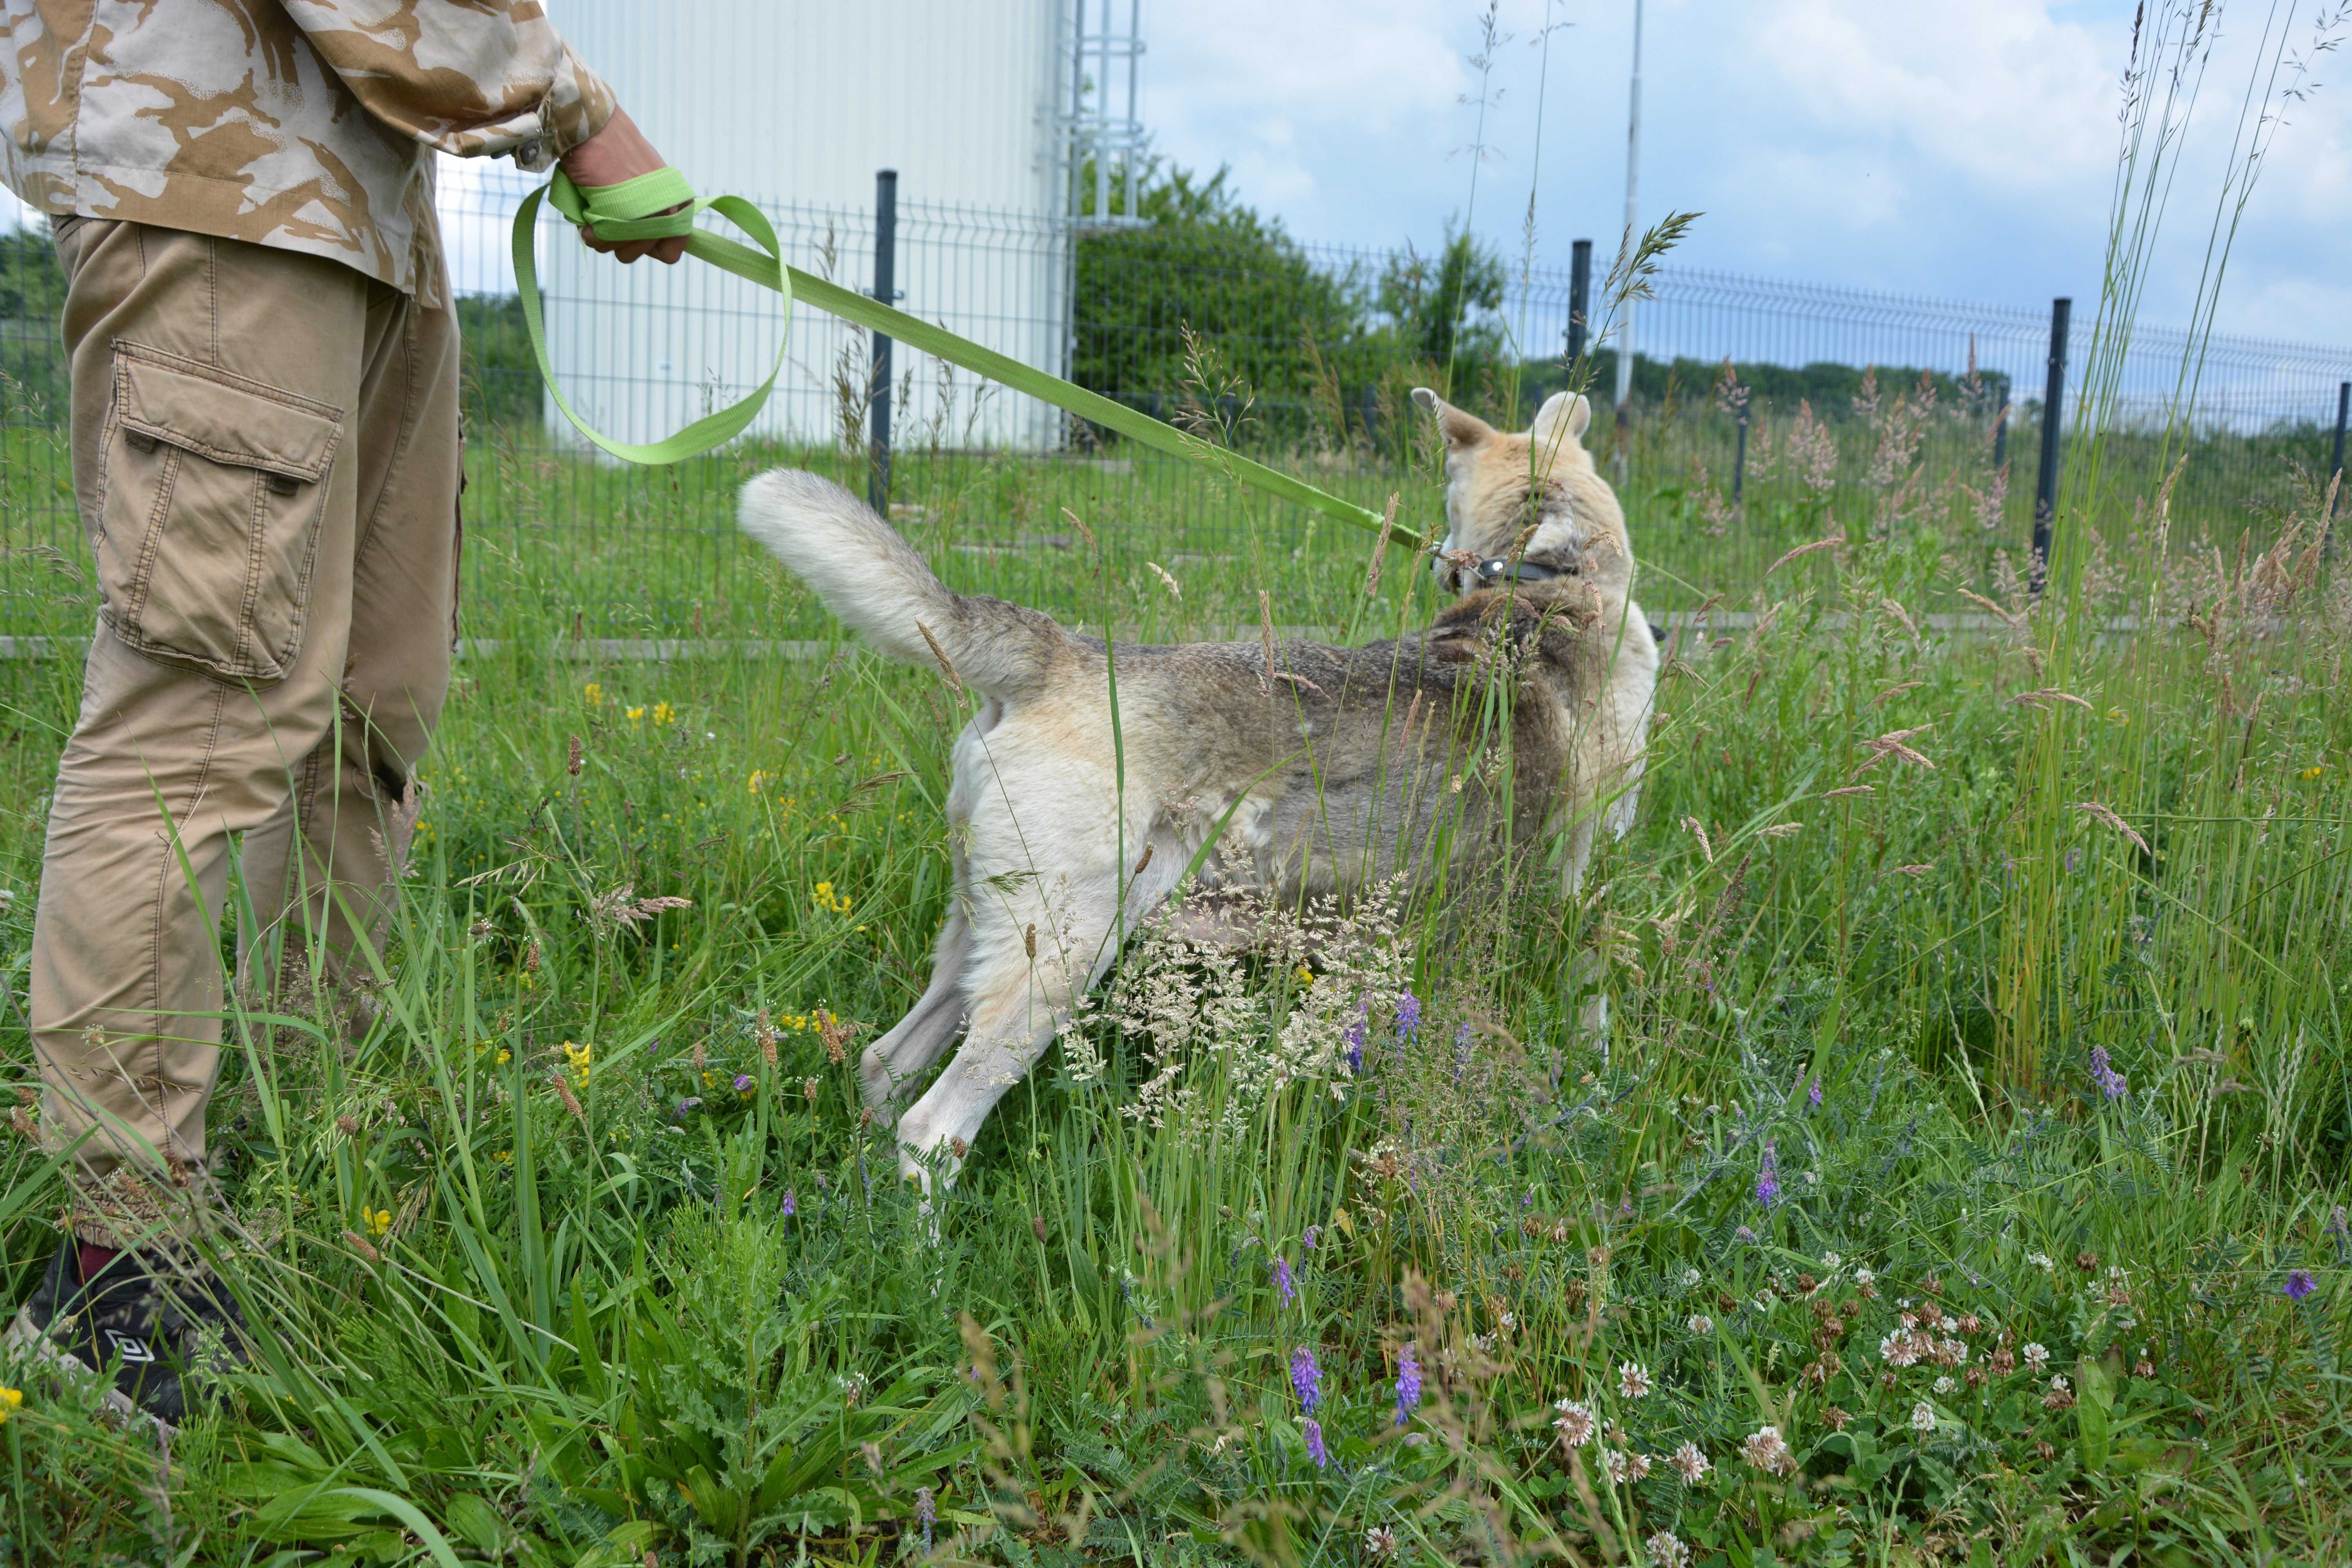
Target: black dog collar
[1496, 570]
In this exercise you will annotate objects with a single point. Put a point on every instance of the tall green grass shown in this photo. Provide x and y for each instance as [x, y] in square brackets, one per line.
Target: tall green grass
[568, 1336]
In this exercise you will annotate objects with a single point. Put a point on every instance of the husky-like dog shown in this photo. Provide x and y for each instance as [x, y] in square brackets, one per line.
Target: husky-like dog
[1333, 769]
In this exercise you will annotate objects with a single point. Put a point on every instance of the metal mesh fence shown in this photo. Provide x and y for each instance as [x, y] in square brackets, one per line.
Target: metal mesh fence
[1763, 414]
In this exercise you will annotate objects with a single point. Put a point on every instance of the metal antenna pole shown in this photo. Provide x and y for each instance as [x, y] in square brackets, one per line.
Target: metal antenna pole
[1632, 216]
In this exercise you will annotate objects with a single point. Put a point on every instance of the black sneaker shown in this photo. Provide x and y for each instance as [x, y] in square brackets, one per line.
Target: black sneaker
[156, 1322]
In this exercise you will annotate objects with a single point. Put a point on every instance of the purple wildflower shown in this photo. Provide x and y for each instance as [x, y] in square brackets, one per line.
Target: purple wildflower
[1813, 1093]
[1767, 1178]
[1305, 1379]
[1743, 1234]
[1408, 1017]
[742, 1083]
[1354, 1036]
[1283, 1288]
[1461, 1051]
[926, 1511]
[1313, 1238]
[1407, 1384]
[2103, 1074]
[2300, 1282]
[685, 1107]
[792, 1203]
[1315, 1448]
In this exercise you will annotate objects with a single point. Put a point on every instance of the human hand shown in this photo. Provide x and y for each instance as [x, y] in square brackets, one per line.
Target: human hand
[617, 152]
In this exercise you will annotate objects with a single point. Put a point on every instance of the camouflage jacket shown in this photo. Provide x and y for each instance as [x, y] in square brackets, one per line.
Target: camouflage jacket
[305, 124]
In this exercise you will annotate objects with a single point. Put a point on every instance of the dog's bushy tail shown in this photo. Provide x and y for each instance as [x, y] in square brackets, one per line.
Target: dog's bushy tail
[866, 574]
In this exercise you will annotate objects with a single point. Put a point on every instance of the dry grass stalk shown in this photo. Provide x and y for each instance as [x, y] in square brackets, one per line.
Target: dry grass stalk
[947, 665]
[2103, 814]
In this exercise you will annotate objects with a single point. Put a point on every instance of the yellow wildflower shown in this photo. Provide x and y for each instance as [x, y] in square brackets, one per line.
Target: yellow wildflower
[1306, 975]
[578, 1056]
[2117, 716]
[758, 778]
[10, 1398]
[2314, 771]
[634, 715]
[663, 714]
[378, 1220]
[826, 898]
[594, 693]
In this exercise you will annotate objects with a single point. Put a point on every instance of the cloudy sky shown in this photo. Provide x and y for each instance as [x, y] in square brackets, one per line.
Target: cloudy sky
[1961, 151]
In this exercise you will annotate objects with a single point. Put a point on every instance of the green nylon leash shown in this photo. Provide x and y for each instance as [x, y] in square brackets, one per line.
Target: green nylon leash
[635, 209]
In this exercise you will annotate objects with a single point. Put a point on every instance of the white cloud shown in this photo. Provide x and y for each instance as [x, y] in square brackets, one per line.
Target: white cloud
[1958, 151]
[1967, 86]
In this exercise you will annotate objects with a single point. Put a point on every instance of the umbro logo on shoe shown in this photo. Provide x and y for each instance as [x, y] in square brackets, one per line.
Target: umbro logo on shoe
[131, 1347]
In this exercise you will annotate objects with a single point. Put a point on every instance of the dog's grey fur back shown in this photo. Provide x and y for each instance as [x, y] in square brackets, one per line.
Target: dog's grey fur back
[868, 577]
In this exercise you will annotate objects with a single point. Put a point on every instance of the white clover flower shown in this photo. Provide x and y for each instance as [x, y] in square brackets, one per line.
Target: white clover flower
[1831, 1262]
[1923, 1417]
[1864, 1277]
[1638, 1466]
[1700, 1324]
[1764, 1302]
[1768, 1451]
[1575, 1422]
[1690, 1464]
[1666, 1550]
[2059, 1385]
[1690, 1277]
[1634, 1379]
[1380, 1540]
[2040, 1260]
[1613, 1462]
[2037, 1356]
[1945, 1385]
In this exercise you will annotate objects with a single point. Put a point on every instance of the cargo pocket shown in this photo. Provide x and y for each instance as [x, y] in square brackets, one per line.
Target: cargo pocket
[215, 486]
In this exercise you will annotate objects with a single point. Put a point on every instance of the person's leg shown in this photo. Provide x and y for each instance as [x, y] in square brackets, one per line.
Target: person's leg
[354, 804]
[214, 462]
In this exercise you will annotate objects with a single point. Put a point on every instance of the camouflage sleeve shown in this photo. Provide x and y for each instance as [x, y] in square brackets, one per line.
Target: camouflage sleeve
[472, 77]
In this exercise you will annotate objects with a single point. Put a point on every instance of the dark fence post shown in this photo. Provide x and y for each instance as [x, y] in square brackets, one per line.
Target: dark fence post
[1579, 293]
[886, 289]
[1739, 458]
[2045, 487]
[2336, 463]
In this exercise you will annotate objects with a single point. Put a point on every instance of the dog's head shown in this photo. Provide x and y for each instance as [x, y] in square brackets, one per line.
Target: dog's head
[1534, 498]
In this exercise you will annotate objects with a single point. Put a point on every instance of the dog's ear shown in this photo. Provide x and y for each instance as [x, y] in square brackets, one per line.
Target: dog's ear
[1462, 431]
[1562, 421]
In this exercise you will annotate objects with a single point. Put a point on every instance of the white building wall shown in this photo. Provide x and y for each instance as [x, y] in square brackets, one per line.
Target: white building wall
[795, 106]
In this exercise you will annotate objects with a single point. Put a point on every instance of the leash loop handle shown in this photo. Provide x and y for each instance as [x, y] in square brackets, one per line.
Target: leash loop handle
[636, 209]
[640, 208]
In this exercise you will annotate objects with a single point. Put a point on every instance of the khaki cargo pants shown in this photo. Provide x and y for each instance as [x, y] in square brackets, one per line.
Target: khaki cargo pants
[266, 459]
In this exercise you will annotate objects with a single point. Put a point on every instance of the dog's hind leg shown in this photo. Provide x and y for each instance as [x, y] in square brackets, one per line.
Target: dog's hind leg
[910, 1047]
[1031, 953]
